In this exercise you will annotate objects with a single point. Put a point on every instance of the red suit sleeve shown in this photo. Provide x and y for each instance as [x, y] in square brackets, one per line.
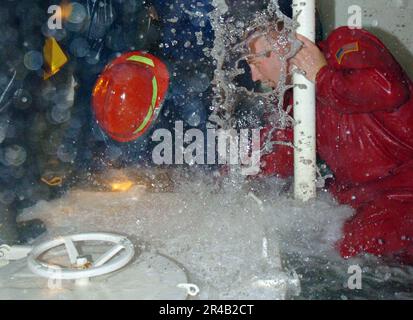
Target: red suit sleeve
[280, 161]
[361, 76]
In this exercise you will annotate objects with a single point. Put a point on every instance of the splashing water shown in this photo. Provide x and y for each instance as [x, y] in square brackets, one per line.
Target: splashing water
[231, 47]
[329, 277]
[229, 238]
[227, 235]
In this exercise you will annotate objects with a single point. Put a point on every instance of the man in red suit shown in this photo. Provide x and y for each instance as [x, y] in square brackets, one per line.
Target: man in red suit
[364, 134]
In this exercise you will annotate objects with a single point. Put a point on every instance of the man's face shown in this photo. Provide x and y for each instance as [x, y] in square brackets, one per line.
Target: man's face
[266, 66]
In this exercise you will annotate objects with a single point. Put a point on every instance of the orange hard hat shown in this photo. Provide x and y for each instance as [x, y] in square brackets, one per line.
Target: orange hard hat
[128, 95]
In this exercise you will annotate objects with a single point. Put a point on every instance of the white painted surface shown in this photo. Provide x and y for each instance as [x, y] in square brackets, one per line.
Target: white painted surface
[304, 113]
[150, 277]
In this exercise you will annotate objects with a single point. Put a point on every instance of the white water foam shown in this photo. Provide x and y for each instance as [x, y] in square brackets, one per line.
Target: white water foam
[215, 231]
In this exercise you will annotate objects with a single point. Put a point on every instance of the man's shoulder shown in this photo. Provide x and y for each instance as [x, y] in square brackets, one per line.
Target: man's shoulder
[351, 34]
[344, 42]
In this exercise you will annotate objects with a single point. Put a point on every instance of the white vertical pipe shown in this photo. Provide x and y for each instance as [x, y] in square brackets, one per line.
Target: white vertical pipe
[304, 113]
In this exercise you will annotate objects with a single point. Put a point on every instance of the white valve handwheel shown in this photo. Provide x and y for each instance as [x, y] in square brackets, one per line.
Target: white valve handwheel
[114, 259]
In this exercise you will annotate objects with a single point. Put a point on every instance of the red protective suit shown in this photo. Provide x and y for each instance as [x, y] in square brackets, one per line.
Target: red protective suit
[365, 135]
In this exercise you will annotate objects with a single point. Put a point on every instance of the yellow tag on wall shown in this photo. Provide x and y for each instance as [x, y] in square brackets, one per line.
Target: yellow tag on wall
[54, 58]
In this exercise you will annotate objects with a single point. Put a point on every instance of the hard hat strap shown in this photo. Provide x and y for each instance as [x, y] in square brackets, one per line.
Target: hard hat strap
[152, 106]
[149, 62]
[143, 60]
